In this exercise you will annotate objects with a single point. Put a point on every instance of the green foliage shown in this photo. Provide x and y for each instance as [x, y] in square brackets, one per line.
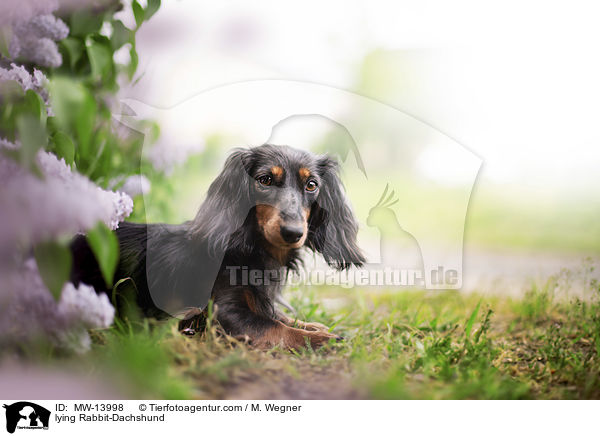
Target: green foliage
[22, 117]
[398, 345]
[5, 37]
[471, 321]
[63, 147]
[140, 358]
[151, 9]
[82, 94]
[105, 246]
[80, 128]
[33, 137]
[54, 264]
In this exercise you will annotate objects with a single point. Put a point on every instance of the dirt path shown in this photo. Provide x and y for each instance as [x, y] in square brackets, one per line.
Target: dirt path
[512, 273]
[321, 383]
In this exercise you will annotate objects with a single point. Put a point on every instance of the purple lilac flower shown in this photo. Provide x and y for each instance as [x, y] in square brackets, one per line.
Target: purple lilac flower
[28, 311]
[13, 12]
[135, 185]
[34, 40]
[36, 81]
[61, 204]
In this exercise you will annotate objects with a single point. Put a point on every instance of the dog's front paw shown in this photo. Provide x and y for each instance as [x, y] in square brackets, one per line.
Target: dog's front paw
[320, 338]
[191, 322]
[310, 326]
[314, 327]
[293, 337]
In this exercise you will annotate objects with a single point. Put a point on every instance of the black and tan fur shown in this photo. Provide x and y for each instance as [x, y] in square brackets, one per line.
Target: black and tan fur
[266, 205]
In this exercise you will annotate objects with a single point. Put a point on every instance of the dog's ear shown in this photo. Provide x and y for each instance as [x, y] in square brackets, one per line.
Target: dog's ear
[220, 219]
[332, 225]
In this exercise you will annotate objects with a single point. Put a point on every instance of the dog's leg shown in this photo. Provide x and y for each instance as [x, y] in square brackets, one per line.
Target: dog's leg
[292, 338]
[192, 321]
[311, 326]
[265, 332]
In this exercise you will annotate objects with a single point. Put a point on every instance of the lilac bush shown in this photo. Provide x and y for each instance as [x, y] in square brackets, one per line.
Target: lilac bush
[34, 31]
[56, 161]
[62, 203]
[36, 81]
[29, 312]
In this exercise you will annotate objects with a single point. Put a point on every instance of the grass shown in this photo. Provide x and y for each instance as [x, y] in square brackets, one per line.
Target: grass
[401, 345]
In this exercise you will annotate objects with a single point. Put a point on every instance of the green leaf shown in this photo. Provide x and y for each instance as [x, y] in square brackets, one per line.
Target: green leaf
[484, 326]
[5, 37]
[32, 134]
[84, 125]
[153, 6]
[100, 150]
[138, 13]
[471, 321]
[100, 57]
[121, 35]
[54, 264]
[67, 98]
[64, 147]
[75, 112]
[105, 246]
[34, 104]
[74, 49]
[84, 22]
[133, 64]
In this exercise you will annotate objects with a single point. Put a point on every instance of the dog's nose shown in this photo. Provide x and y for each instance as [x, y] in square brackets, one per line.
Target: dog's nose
[291, 234]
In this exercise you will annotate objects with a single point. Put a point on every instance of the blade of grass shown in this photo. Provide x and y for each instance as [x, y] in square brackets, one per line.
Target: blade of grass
[471, 321]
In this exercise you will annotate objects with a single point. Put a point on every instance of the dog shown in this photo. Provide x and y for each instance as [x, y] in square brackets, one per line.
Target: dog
[267, 203]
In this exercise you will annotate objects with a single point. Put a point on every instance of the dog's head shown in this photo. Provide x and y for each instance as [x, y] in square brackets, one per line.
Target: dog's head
[291, 198]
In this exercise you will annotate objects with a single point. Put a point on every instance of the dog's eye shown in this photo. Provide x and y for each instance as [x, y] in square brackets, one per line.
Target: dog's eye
[265, 180]
[311, 186]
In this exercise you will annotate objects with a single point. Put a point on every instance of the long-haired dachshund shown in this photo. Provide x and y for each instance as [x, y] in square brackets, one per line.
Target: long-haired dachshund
[267, 203]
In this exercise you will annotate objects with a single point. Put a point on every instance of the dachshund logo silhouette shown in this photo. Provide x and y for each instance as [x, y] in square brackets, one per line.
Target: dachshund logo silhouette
[26, 415]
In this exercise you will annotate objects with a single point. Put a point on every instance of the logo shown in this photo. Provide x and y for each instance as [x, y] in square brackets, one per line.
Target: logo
[26, 415]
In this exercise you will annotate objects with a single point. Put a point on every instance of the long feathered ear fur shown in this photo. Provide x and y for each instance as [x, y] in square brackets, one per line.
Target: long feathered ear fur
[332, 225]
[220, 219]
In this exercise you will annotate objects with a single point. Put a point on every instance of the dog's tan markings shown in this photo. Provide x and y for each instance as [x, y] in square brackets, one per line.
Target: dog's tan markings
[304, 173]
[280, 254]
[268, 219]
[311, 326]
[249, 297]
[270, 223]
[292, 338]
[277, 172]
[271, 337]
